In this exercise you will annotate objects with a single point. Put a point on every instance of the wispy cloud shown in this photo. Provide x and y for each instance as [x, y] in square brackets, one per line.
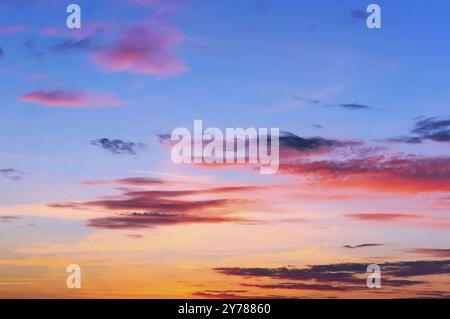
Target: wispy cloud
[430, 252]
[362, 246]
[169, 201]
[131, 181]
[70, 99]
[8, 219]
[148, 220]
[355, 106]
[11, 174]
[383, 217]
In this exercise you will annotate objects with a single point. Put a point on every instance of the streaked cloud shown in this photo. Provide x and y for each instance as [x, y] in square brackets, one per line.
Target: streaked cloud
[11, 174]
[148, 220]
[70, 99]
[167, 201]
[354, 106]
[131, 181]
[362, 246]
[430, 252]
[383, 217]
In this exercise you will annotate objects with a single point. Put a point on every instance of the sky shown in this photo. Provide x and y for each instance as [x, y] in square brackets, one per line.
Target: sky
[86, 175]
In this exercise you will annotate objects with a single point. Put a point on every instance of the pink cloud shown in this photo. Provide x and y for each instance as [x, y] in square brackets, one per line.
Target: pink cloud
[70, 98]
[12, 29]
[142, 50]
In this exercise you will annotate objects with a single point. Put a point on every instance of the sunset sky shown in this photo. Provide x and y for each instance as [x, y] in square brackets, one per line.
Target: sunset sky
[86, 175]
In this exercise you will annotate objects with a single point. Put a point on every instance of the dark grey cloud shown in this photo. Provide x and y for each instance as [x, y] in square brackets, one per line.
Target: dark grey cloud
[433, 129]
[118, 147]
[347, 106]
[406, 139]
[1, 53]
[354, 106]
[11, 174]
[290, 140]
[343, 276]
[74, 45]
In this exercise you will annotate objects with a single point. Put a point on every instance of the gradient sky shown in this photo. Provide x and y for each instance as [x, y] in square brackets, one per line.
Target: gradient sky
[85, 170]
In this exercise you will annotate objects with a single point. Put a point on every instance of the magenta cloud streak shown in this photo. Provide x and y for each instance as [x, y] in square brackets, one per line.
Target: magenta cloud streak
[70, 98]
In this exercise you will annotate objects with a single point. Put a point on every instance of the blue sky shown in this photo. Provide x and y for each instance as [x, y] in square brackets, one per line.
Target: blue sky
[76, 107]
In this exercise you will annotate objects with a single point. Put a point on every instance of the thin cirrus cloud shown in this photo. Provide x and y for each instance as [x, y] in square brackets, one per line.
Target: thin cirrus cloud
[9, 219]
[383, 217]
[70, 99]
[403, 220]
[347, 106]
[362, 246]
[11, 174]
[355, 106]
[142, 49]
[430, 252]
[131, 181]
